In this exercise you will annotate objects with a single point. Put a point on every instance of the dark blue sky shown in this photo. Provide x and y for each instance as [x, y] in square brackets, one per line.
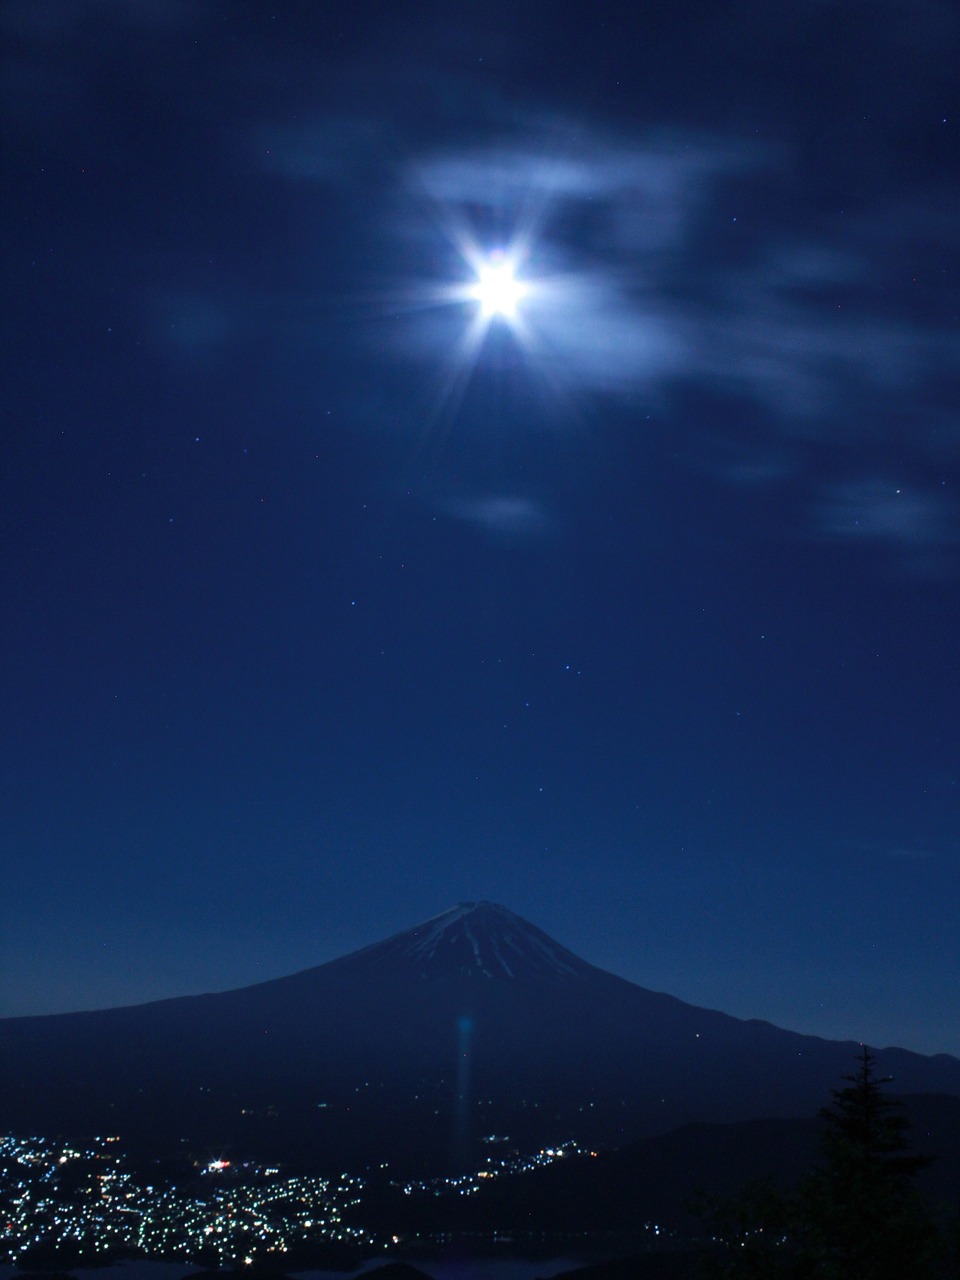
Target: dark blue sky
[326, 609]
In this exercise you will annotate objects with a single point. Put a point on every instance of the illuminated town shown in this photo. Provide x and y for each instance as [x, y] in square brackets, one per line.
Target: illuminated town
[467, 1184]
[90, 1202]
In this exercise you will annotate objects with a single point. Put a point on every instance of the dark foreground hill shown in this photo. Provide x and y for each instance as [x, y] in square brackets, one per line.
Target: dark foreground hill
[414, 1050]
[659, 1180]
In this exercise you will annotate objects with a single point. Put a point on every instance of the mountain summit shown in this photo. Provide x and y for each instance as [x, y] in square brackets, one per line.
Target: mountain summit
[411, 1050]
[479, 940]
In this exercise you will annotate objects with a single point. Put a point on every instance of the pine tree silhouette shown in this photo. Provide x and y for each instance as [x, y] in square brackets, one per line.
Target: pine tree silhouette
[860, 1214]
[856, 1216]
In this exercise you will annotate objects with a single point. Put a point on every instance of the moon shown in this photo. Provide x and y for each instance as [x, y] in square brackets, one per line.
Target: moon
[497, 289]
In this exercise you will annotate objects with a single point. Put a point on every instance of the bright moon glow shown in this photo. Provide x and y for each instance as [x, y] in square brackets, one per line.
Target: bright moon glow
[497, 289]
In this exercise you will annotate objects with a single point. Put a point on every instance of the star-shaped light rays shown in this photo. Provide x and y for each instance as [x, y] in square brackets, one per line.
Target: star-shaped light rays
[490, 240]
[497, 289]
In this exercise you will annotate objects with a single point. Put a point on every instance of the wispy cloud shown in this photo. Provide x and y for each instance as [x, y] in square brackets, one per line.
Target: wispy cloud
[670, 265]
[632, 242]
[647, 280]
[898, 852]
[915, 526]
[644, 195]
[188, 322]
[503, 515]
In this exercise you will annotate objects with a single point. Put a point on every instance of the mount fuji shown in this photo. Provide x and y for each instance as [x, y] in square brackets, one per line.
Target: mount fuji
[414, 1051]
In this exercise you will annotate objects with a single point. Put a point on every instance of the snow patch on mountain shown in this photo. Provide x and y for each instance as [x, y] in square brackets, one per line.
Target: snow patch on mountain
[474, 939]
[485, 938]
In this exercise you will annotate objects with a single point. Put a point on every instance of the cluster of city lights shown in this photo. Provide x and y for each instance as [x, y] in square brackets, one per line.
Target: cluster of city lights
[509, 1165]
[91, 1201]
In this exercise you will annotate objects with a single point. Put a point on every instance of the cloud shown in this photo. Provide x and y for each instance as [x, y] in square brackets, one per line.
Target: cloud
[585, 329]
[645, 194]
[898, 853]
[768, 280]
[596, 227]
[879, 510]
[503, 515]
[673, 264]
[914, 525]
[188, 322]
[627, 248]
[910, 855]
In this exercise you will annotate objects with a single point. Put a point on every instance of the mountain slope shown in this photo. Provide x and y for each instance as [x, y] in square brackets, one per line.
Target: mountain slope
[411, 1050]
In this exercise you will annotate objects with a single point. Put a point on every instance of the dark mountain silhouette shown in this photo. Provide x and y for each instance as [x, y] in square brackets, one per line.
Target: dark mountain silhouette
[472, 1025]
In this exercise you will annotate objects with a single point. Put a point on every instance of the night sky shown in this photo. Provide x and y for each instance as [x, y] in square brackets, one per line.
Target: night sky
[331, 600]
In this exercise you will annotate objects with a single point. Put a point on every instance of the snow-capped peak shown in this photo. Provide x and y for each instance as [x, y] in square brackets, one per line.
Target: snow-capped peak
[476, 939]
